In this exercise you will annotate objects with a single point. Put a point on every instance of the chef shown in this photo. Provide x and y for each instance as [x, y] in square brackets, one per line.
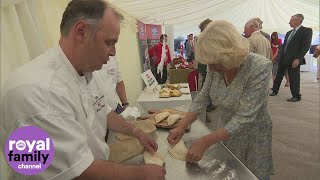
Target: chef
[51, 92]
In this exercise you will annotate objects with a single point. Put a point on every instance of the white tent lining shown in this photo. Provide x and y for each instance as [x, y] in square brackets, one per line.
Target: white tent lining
[185, 15]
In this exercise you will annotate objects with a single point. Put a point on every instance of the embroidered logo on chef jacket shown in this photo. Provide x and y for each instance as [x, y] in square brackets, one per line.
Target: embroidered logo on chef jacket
[111, 73]
[99, 104]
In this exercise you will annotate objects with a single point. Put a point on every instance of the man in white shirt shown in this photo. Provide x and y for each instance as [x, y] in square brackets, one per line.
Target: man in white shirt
[113, 86]
[258, 43]
[52, 92]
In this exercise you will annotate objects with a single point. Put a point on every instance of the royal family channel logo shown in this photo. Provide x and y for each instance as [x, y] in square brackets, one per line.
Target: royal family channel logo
[29, 150]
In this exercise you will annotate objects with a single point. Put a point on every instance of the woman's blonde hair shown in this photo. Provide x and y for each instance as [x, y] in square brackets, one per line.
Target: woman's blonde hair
[220, 42]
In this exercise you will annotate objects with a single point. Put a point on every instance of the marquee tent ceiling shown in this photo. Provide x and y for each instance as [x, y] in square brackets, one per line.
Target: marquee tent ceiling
[185, 15]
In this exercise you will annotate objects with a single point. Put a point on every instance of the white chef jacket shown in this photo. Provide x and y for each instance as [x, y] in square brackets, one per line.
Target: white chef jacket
[49, 93]
[108, 77]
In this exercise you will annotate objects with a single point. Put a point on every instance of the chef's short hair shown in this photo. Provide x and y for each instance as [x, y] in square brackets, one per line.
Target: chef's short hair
[220, 42]
[91, 11]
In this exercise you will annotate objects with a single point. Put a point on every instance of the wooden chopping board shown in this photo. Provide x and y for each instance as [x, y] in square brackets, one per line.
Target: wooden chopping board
[164, 123]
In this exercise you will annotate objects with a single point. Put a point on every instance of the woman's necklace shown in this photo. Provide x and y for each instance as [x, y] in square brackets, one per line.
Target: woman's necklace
[226, 78]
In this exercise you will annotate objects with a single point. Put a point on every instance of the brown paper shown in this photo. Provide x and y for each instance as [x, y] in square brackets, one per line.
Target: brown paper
[124, 150]
[146, 126]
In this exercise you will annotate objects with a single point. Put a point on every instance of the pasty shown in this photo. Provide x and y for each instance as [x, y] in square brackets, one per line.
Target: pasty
[161, 116]
[173, 119]
[165, 90]
[156, 158]
[175, 93]
[174, 86]
[164, 93]
[179, 151]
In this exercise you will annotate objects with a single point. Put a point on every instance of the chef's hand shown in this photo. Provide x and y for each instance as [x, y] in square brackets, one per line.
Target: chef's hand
[153, 172]
[146, 141]
[196, 151]
[175, 135]
[295, 63]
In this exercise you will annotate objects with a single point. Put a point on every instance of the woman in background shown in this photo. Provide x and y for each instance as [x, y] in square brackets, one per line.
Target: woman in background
[276, 44]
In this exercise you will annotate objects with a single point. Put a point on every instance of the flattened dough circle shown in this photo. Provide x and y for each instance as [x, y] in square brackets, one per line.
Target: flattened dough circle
[179, 151]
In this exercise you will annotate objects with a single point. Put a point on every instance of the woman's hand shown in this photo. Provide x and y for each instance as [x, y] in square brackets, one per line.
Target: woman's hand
[175, 135]
[198, 147]
[196, 151]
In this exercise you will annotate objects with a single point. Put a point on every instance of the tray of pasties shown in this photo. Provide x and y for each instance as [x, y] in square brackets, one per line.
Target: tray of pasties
[167, 118]
[166, 93]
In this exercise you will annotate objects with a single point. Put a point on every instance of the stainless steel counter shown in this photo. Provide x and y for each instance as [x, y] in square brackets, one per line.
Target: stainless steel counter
[218, 162]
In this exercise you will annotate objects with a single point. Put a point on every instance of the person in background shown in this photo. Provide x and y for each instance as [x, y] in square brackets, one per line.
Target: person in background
[113, 86]
[258, 43]
[238, 81]
[155, 53]
[260, 27]
[275, 45]
[202, 68]
[185, 42]
[52, 93]
[296, 45]
[190, 48]
[316, 55]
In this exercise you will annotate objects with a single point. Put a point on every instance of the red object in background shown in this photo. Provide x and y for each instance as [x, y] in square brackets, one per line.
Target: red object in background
[193, 78]
[142, 30]
[157, 52]
[181, 47]
[182, 59]
[153, 31]
[274, 49]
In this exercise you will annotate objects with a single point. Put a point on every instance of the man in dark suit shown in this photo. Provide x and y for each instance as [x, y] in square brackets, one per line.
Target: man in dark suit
[296, 45]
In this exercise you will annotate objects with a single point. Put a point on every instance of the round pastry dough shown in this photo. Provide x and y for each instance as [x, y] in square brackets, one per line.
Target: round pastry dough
[161, 116]
[156, 158]
[179, 151]
[173, 119]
